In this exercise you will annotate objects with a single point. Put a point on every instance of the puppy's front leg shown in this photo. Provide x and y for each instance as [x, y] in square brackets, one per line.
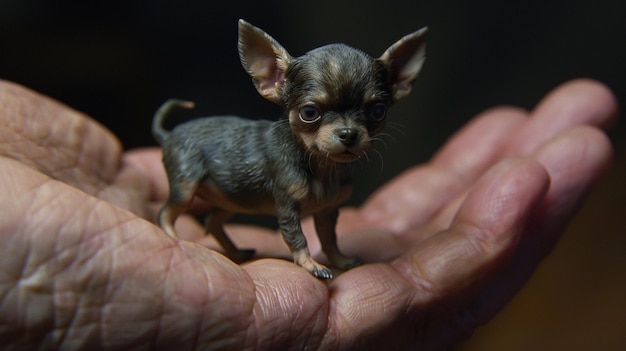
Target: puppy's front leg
[325, 223]
[289, 224]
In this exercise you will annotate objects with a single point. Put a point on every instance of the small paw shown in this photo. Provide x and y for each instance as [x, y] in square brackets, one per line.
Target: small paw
[322, 272]
[303, 259]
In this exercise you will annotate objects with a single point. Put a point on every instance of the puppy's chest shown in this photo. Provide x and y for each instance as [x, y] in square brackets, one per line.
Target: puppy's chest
[315, 193]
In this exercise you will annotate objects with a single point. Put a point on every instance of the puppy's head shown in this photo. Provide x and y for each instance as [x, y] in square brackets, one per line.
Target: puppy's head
[336, 97]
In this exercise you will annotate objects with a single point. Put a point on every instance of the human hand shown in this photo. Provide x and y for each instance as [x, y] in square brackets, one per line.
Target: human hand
[454, 238]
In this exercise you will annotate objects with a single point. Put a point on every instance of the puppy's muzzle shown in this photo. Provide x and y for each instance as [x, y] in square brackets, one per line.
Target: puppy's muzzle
[348, 136]
[345, 144]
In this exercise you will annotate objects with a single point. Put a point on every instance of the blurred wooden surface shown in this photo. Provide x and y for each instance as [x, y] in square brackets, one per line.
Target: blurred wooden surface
[577, 298]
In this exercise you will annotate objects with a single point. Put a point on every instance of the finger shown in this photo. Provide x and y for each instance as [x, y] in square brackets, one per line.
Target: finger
[479, 145]
[578, 102]
[291, 305]
[148, 161]
[574, 104]
[574, 161]
[400, 212]
[418, 193]
[415, 196]
[485, 228]
[368, 300]
[56, 140]
[130, 191]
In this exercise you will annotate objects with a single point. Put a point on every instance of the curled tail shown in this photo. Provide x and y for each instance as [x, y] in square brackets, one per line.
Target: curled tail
[159, 133]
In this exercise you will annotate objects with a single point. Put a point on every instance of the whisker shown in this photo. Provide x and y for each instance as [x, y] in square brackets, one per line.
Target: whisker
[387, 135]
[367, 158]
[382, 161]
[399, 127]
[361, 157]
[380, 140]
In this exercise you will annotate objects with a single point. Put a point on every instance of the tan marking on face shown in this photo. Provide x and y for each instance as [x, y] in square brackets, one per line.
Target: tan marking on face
[321, 99]
[327, 141]
[308, 139]
[322, 138]
[306, 136]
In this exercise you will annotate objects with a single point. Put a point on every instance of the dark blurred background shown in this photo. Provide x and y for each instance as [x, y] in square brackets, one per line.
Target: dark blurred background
[118, 61]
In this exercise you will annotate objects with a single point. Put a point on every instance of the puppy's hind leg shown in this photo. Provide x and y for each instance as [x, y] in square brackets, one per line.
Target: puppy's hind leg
[215, 225]
[179, 200]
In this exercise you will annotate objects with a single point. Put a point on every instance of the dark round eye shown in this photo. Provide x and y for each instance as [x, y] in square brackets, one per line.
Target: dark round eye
[309, 114]
[378, 111]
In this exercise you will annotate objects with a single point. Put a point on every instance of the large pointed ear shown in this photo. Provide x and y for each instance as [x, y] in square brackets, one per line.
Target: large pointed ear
[264, 59]
[403, 61]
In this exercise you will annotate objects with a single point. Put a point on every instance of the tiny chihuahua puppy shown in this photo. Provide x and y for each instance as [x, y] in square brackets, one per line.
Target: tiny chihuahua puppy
[335, 99]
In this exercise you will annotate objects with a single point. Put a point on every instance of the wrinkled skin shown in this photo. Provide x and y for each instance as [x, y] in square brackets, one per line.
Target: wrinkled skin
[82, 264]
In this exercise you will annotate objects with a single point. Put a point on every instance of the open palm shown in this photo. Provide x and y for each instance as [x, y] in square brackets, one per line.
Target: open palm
[449, 242]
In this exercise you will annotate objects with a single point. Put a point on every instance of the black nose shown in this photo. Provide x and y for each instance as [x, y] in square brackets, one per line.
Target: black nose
[348, 136]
